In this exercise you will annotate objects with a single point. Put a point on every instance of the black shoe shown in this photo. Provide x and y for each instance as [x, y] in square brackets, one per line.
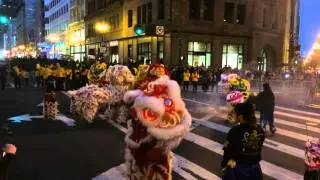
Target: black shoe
[273, 130]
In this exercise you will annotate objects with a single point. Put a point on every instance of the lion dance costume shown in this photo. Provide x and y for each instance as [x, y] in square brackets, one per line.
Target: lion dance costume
[159, 121]
[237, 90]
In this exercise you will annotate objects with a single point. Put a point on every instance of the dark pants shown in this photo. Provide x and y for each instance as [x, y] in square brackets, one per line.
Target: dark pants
[186, 85]
[244, 172]
[195, 86]
[3, 82]
[267, 118]
[59, 83]
[312, 175]
[17, 82]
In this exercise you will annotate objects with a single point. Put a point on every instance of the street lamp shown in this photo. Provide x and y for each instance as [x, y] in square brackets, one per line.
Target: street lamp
[102, 27]
[53, 38]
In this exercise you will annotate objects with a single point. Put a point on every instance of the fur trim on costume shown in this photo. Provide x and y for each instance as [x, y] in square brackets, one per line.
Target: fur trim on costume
[130, 96]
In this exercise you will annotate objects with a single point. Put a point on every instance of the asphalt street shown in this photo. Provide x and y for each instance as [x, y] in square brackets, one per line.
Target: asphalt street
[50, 150]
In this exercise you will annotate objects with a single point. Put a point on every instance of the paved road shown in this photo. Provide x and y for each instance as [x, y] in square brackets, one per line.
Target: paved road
[51, 150]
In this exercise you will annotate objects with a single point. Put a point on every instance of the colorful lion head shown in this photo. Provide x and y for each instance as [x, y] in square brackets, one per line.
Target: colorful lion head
[160, 108]
[238, 90]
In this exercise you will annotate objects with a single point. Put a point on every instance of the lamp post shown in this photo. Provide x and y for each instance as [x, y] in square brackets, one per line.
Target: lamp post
[101, 28]
[53, 38]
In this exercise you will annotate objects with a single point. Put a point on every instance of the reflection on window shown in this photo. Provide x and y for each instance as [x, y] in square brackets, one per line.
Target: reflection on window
[232, 56]
[194, 9]
[241, 13]
[144, 52]
[264, 60]
[199, 54]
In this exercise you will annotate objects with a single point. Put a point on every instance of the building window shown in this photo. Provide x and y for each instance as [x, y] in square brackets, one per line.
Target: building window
[275, 22]
[232, 56]
[228, 12]
[264, 18]
[241, 13]
[208, 10]
[160, 9]
[199, 54]
[130, 51]
[263, 64]
[144, 53]
[144, 14]
[139, 15]
[149, 12]
[130, 15]
[160, 51]
[194, 9]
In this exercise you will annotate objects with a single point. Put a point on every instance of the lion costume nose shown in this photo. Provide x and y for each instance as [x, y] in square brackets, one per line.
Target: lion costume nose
[170, 119]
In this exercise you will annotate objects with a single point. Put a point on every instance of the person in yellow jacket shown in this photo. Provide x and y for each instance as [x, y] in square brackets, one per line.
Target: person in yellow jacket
[195, 79]
[17, 77]
[186, 80]
[38, 75]
[60, 75]
[25, 76]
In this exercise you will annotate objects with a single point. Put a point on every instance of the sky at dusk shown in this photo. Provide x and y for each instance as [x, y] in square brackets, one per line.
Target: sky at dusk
[309, 23]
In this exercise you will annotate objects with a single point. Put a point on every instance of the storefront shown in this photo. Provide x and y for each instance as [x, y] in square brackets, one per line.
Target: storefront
[114, 52]
[199, 54]
[78, 52]
[144, 52]
[232, 56]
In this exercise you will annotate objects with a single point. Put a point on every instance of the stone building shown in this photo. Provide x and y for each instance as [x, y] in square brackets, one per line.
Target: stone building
[197, 32]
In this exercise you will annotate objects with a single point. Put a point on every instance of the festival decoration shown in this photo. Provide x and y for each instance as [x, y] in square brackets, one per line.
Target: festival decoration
[159, 121]
[50, 107]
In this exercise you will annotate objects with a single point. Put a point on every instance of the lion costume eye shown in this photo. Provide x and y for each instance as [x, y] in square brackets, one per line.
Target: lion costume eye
[168, 104]
[149, 115]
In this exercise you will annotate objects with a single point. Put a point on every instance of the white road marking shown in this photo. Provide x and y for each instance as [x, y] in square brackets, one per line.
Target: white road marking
[269, 143]
[298, 111]
[267, 168]
[308, 119]
[300, 126]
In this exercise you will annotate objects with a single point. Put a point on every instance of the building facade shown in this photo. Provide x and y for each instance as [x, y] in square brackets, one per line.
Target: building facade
[240, 34]
[29, 22]
[57, 19]
[75, 35]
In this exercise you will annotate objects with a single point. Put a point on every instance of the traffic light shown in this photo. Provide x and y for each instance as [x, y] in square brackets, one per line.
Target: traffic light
[4, 20]
[139, 30]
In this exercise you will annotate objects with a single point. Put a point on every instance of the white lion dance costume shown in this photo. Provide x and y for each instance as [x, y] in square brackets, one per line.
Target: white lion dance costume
[105, 97]
[159, 122]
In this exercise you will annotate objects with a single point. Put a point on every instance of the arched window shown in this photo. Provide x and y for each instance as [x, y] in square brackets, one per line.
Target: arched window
[263, 60]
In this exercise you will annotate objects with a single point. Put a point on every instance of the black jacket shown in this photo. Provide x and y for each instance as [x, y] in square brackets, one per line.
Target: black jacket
[265, 103]
[244, 144]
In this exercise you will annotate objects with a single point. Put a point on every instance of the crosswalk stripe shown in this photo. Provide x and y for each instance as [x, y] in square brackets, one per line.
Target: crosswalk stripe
[267, 168]
[298, 125]
[298, 111]
[273, 144]
[304, 119]
[223, 108]
[314, 106]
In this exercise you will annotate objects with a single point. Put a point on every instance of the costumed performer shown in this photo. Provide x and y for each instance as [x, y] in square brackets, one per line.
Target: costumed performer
[120, 79]
[159, 122]
[153, 72]
[95, 70]
[237, 91]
